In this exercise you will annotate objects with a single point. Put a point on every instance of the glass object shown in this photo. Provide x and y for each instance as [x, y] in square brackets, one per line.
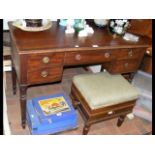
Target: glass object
[79, 24]
[63, 22]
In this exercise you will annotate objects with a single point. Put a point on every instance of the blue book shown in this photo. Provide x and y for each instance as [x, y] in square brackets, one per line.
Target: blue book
[56, 119]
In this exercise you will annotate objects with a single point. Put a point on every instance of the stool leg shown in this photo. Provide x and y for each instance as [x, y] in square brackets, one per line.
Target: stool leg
[86, 129]
[120, 120]
[75, 101]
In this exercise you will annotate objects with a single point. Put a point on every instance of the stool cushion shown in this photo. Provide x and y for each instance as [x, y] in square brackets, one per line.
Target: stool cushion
[103, 89]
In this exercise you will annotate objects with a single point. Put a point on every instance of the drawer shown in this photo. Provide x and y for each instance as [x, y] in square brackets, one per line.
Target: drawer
[113, 112]
[125, 66]
[129, 53]
[119, 111]
[87, 57]
[45, 75]
[45, 60]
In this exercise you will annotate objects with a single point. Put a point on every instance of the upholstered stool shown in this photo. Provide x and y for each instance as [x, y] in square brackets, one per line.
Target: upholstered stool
[102, 96]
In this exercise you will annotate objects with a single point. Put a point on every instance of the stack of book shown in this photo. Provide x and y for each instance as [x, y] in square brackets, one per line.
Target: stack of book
[51, 114]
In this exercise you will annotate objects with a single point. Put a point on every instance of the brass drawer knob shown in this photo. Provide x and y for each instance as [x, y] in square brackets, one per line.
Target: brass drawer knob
[44, 73]
[107, 54]
[78, 57]
[46, 60]
[126, 65]
[130, 53]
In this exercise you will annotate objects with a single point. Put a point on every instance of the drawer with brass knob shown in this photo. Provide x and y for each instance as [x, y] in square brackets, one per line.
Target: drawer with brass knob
[128, 53]
[45, 75]
[87, 57]
[118, 109]
[125, 66]
[45, 60]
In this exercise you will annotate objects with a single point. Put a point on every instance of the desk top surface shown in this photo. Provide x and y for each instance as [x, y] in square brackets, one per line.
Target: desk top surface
[56, 39]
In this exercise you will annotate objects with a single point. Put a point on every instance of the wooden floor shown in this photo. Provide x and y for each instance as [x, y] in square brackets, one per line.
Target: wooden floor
[136, 126]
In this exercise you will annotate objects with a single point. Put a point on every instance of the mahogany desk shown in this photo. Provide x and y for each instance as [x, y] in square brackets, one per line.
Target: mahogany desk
[39, 57]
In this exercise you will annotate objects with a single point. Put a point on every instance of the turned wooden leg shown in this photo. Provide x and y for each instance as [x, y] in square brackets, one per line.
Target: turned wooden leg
[120, 120]
[23, 93]
[86, 129]
[13, 79]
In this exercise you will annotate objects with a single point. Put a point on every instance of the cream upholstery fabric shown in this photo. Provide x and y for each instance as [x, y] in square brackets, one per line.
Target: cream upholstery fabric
[103, 89]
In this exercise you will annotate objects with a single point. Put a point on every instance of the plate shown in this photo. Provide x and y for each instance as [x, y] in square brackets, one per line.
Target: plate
[21, 24]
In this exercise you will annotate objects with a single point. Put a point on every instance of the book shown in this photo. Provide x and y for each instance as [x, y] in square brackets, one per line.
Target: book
[39, 124]
[53, 105]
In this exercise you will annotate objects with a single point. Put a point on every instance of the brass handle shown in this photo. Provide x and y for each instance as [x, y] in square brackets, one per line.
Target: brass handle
[130, 53]
[126, 65]
[46, 60]
[110, 112]
[78, 57]
[44, 73]
[107, 54]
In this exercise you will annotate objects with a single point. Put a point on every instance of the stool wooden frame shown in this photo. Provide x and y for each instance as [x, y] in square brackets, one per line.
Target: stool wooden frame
[94, 116]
